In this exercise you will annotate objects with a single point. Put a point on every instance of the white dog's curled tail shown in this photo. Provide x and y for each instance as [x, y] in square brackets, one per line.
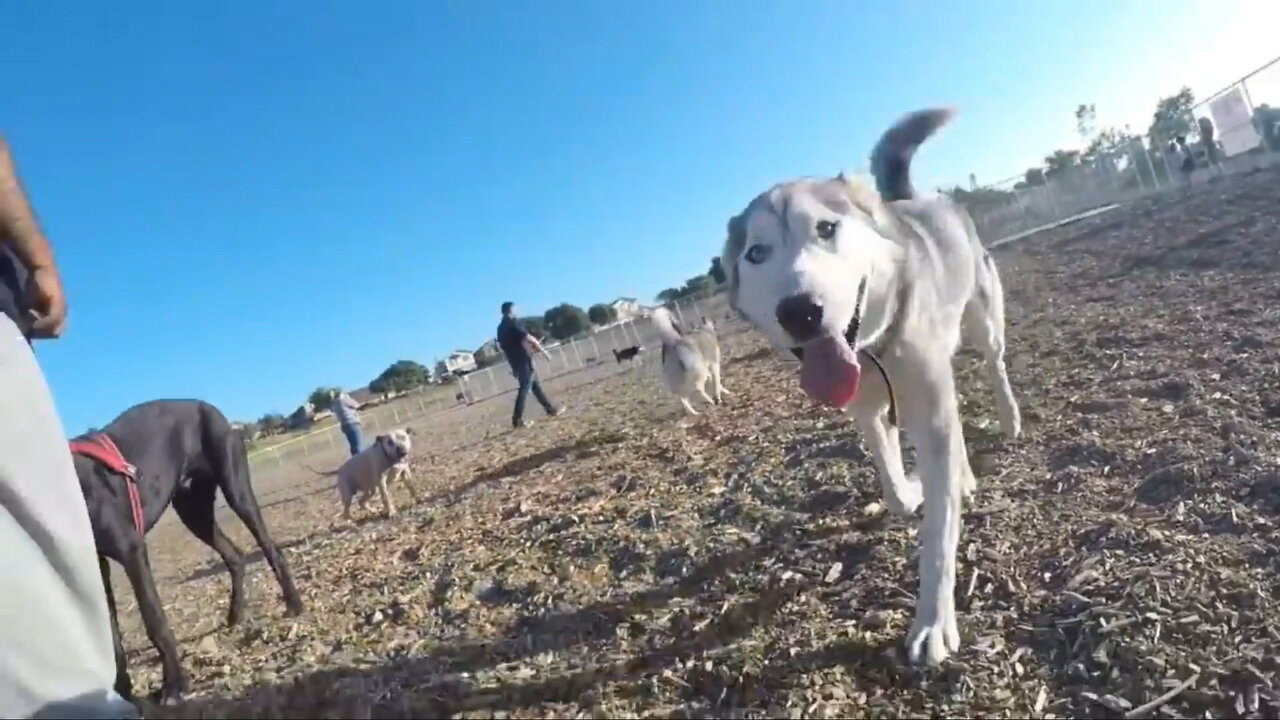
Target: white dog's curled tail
[665, 325]
[891, 157]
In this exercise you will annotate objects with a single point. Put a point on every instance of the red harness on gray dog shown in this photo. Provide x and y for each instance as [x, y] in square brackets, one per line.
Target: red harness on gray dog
[99, 447]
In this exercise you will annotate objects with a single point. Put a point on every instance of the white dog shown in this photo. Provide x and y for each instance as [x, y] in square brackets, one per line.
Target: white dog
[820, 263]
[385, 460]
[690, 360]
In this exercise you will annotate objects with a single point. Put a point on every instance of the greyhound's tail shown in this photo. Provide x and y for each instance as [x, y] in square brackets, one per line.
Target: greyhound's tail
[616, 356]
[320, 474]
[891, 157]
[665, 325]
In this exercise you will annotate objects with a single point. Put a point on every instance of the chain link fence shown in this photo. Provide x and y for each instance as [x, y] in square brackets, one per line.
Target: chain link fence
[582, 360]
[1235, 130]
[592, 355]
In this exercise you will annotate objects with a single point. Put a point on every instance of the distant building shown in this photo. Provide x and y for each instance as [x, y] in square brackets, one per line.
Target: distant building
[459, 362]
[627, 308]
[488, 354]
[363, 396]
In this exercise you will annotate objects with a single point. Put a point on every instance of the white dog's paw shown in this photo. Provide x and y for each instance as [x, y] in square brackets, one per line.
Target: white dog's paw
[932, 640]
[1011, 424]
[968, 485]
[1015, 431]
[905, 498]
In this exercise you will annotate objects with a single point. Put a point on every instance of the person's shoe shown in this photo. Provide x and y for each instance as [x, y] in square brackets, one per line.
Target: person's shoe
[557, 412]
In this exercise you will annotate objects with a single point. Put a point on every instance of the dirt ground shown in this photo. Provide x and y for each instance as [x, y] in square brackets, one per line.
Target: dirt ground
[625, 561]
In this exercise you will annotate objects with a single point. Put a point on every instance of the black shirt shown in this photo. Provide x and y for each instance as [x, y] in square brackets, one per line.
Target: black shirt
[13, 278]
[511, 335]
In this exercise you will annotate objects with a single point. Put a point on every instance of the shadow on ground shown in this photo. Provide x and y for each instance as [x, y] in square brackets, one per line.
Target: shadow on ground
[441, 684]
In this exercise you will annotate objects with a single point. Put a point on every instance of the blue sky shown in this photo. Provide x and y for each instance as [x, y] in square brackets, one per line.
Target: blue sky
[248, 200]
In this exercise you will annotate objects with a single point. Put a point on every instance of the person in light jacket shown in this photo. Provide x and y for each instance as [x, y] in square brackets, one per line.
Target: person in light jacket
[347, 411]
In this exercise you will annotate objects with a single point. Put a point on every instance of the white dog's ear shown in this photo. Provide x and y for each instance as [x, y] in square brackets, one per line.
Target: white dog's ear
[409, 431]
[734, 244]
[864, 197]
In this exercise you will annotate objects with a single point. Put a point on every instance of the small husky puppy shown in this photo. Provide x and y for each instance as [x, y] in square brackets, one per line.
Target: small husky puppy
[689, 360]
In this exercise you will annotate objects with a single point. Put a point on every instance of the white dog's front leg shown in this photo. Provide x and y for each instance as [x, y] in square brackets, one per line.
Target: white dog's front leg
[407, 477]
[902, 492]
[932, 419]
[935, 633]
[387, 506]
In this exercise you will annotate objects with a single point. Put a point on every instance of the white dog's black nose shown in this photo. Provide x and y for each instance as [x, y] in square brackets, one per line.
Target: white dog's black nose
[800, 317]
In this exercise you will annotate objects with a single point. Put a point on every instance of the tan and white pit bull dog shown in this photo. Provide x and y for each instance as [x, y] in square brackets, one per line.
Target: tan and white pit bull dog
[385, 460]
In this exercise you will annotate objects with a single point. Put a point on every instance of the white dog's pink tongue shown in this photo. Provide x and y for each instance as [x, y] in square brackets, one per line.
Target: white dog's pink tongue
[829, 371]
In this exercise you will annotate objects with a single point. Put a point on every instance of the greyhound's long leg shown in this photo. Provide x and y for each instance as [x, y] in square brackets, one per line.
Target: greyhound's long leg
[702, 389]
[238, 492]
[715, 378]
[688, 405]
[138, 568]
[124, 685]
[195, 509]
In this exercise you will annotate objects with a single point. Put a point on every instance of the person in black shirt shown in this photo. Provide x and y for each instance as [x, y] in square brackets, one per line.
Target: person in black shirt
[518, 345]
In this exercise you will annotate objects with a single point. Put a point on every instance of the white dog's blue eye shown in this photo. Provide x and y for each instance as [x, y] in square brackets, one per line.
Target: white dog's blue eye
[826, 229]
[757, 254]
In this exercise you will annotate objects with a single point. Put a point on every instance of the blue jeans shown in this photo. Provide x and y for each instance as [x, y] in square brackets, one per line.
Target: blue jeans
[527, 378]
[352, 433]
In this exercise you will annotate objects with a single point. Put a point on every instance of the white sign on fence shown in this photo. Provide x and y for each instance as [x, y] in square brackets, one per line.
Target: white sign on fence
[1232, 115]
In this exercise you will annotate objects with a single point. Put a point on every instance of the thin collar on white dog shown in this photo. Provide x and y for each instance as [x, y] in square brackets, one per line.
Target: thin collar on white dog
[851, 336]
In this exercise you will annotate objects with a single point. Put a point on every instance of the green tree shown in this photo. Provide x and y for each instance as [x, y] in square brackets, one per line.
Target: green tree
[400, 376]
[601, 314]
[321, 397]
[980, 197]
[564, 321]
[716, 272]
[1086, 121]
[271, 423]
[669, 295]
[1059, 161]
[698, 286]
[535, 326]
[1172, 118]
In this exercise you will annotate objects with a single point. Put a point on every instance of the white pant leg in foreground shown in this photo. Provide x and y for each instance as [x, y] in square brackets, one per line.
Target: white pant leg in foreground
[56, 654]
